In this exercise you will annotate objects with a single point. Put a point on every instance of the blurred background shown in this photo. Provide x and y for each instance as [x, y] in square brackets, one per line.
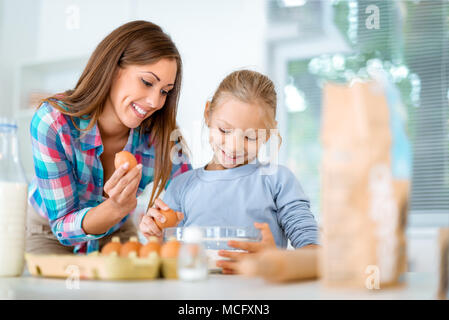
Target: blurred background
[300, 44]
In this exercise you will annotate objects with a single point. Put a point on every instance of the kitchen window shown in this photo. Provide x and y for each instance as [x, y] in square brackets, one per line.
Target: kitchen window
[411, 45]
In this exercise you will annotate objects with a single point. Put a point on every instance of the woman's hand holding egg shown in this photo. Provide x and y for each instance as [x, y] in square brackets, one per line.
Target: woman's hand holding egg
[158, 218]
[231, 266]
[123, 185]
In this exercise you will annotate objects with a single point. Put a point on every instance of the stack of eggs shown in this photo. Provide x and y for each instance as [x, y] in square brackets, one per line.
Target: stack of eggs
[134, 249]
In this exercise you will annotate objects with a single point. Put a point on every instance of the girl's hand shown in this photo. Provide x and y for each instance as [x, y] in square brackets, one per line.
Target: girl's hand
[283, 265]
[251, 248]
[122, 188]
[147, 224]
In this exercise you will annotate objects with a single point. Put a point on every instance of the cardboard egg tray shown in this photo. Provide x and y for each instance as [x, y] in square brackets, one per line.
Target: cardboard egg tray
[98, 267]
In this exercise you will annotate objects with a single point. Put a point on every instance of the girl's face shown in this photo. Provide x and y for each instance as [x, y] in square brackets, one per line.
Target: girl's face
[237, 131]
[140, 90]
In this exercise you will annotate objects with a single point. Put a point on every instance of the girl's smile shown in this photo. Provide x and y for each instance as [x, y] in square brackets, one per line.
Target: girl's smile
[231, 158]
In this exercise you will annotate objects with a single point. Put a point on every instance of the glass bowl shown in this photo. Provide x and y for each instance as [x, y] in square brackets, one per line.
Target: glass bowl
[216, 238]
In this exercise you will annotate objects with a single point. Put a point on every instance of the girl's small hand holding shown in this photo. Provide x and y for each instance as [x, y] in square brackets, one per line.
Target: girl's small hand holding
[251, 248]
[148, 225]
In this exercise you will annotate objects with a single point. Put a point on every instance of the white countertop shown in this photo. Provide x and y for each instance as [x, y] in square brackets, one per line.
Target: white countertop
[415, 286]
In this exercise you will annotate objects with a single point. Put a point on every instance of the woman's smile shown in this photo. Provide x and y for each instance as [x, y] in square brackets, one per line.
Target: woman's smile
[139, 110]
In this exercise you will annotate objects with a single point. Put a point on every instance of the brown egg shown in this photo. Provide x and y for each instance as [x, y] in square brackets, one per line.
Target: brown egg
[171, 219]
[125, 156]
[127, 249]
[170, 249]
[112, 247]
[153, 245]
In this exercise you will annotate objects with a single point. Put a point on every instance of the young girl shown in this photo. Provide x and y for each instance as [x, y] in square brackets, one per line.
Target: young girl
[235, 188]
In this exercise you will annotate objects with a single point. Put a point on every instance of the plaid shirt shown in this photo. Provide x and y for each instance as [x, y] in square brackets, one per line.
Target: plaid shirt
[68, 179]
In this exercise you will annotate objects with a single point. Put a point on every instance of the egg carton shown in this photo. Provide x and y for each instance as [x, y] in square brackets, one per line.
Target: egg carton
[98, 267]
[169, 268]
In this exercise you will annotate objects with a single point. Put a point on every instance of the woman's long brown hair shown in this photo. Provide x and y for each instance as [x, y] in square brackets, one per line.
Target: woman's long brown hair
[134, 43]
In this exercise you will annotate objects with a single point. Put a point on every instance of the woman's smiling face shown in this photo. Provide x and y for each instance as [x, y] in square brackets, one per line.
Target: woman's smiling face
[140, 90]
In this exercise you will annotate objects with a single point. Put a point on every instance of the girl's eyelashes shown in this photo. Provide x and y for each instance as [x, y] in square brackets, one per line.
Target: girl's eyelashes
[224, 131]
[149, 84]
[227, 131]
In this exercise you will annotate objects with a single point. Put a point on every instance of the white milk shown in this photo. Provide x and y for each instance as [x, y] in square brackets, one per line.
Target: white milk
[13, 210]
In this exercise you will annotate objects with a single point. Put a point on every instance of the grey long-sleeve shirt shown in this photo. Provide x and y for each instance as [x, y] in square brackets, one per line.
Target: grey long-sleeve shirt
[244, 195]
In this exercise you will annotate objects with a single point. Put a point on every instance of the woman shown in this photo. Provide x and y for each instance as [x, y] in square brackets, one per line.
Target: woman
[125, 99]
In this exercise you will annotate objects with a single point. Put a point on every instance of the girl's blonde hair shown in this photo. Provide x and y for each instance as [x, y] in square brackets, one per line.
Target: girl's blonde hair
[249, 87]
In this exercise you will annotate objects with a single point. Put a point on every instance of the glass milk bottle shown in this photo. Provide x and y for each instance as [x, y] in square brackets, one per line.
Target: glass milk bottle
[192, 258]
[13, 201]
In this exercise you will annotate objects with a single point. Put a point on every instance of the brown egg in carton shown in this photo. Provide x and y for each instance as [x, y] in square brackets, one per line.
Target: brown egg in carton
[115, 261]
[168, 252]
[169, 256]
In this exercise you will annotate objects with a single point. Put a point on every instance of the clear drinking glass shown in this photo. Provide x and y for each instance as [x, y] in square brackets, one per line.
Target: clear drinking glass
[192, 258]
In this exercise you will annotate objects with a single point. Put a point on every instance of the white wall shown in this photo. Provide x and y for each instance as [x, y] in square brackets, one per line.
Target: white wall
[18, 36]
[214, 38]
[74, 27]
